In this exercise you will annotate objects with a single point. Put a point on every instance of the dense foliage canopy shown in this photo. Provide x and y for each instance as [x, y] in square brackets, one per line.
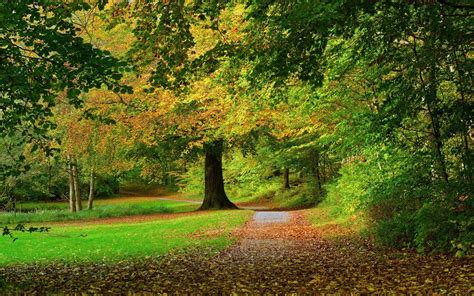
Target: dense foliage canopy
[365, 105]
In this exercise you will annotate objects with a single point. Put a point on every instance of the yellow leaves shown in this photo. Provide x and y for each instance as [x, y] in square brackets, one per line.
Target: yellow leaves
[205, 39]
[196, 144]
[230, 26]
[315, 281]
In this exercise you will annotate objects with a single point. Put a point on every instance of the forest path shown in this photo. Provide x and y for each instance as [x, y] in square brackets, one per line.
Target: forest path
[280, 252]
[271, 217]
[179, 197]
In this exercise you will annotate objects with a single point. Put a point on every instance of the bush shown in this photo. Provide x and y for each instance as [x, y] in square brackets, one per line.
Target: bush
[408, 206]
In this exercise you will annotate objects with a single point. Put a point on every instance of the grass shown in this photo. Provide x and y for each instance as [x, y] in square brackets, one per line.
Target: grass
[119, 241]
[327, 213]
[116, 207]
[272, 194]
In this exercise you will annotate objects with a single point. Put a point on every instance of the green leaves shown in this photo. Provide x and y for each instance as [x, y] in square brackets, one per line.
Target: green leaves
[43, 55]
[22, 228]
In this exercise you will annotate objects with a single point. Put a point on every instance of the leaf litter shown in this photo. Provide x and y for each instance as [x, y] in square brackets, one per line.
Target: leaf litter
[269, 258]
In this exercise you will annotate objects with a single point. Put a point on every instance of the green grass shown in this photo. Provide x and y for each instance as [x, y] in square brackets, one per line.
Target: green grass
[327, 213]
[119, 241]
[273, 194]
[117, 207]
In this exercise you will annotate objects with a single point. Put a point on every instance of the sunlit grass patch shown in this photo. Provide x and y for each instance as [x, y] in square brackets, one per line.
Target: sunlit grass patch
[328, 215]
[46, 212]
[119, 241]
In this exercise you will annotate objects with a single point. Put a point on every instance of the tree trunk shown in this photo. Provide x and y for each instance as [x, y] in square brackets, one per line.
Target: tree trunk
[317, 174]
[72, 192]
[467, 159]
[77, 186]
[214, 193]
[435, 128]
[300, 174]
[286, 178]
[90, 200]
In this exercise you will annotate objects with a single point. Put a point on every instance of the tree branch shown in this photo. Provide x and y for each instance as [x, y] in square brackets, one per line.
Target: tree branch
[456, 5]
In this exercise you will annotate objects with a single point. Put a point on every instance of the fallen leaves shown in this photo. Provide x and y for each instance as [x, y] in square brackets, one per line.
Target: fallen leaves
[270, 258]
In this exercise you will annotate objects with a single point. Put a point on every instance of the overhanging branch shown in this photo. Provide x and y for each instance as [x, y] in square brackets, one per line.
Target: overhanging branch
[456, 5]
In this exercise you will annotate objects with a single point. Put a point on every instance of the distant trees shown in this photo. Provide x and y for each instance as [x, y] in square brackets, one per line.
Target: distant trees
[43, 56]
[45, 61]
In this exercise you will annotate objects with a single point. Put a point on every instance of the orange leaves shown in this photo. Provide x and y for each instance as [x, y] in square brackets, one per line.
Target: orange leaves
[269, 258]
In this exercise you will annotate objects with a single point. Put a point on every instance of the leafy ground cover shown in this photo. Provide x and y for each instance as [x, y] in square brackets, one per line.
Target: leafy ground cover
[116, 241]
[113, 207]
[290, 257]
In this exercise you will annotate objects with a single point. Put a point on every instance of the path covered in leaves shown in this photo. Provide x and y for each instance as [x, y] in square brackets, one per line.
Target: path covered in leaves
[275, 253]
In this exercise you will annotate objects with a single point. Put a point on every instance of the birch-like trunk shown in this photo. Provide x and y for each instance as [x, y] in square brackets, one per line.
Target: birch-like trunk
[90, 200]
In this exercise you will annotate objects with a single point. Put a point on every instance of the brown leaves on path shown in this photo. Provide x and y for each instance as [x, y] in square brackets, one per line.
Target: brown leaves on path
[269, 258]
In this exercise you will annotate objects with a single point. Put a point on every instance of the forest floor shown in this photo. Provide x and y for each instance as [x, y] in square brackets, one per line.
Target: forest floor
[275, 252]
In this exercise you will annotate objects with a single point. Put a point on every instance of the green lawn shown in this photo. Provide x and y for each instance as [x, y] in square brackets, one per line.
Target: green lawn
[118, 241]
[116, 207]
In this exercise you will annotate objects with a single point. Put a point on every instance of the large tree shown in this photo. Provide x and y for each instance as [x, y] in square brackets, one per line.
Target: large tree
[180, 46]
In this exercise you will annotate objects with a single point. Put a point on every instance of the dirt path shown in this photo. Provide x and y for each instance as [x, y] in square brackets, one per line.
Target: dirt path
[182, 198]
[277, 252]
[130, 197]
[271, 217]
[125, 219]
[280, 252]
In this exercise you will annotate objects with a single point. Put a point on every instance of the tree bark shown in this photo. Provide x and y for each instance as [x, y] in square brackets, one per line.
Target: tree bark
[467, 159]
[77, 186]
[90, 200]
[430, 102]
[72, 192]
[286, 178]
[317, 173]
[435, 127]
[214, 193]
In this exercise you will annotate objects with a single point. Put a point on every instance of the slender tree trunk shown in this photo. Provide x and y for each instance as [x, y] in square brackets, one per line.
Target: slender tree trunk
[286, 178]
[214, 196]
[72, 191]
[317, 174]
[435, 128]
[14, 206]
[318, 178]
[467, 159]
[77, 186]
[430, 101]
[90, 200]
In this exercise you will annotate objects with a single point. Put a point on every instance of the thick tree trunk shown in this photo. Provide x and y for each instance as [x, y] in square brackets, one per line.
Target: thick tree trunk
[72, 192]
[90, 200]
[214, 193]
[77, 186]
[286, 178]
